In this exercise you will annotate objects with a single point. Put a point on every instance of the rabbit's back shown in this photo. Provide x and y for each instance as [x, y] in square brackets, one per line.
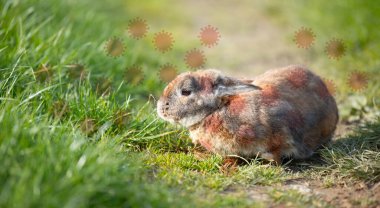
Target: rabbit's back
[297, 107]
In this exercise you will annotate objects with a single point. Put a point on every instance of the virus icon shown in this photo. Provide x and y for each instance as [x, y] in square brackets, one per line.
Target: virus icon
[134, 75]
[137, 28]
[330, 85]
[88, 126]
[114, 47]
[304, 37]
[44, 73]
[121, 118]
[77, 71]
[167, 73]
[103, 86]
[195, 58]
[59, 109]
[163, 41]
[335, 49]
[209, 36]
[358, 80]
[297, 78]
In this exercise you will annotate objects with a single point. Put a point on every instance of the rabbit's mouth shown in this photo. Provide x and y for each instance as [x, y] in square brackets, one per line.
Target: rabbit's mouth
[162, 111]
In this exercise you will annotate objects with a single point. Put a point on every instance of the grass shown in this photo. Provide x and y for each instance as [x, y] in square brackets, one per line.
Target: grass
[357, 155]
[292, 198]
[95, 140]
[54, 166]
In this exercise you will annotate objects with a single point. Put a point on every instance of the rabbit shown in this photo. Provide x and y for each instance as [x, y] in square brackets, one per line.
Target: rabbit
[283, 113]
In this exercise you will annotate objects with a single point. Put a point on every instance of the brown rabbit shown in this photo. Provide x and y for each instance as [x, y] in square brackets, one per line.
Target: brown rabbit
[285, 112]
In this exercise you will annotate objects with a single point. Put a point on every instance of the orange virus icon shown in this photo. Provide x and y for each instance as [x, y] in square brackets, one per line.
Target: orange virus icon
[138, 28]
[134, 75]
[163, 41]
[44, 73]
[304, 37]
[195, 58]
[335, 49]
[330, 85]
[298, 78]
[121, 118]
[60, 109]
[209, 36]
[167, 73]
[88, 126]
[114, 47]
[358, 80]
[77, 71]
[103, 86]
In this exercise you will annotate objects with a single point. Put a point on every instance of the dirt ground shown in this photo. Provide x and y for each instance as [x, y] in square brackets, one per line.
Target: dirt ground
[339, 195]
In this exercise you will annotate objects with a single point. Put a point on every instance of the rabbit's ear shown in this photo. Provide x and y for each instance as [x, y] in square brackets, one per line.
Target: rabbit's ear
[228, 86]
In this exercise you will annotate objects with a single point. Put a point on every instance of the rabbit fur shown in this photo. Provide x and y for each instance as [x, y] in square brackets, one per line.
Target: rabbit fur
[286, 112]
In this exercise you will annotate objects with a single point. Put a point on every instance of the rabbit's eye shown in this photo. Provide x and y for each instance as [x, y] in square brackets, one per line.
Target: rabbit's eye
[185, 92]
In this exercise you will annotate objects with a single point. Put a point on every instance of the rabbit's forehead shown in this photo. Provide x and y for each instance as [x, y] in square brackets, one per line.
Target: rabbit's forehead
[179, 82]
[188, 81]
[197, 80]
[169, 88]
[206, 83]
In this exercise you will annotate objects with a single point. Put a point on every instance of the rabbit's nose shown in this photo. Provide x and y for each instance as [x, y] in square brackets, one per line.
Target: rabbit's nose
[166, 107]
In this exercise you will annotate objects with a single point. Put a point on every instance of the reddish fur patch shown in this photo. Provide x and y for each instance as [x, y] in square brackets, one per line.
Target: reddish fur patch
[322, 90]
[269, 94]
[245, 135]
[206, 144]
[206, 84]
[327, 128]
[168, 89]
[275, 146]
[325, 131]
[213, 123]
[297, 78]
[275, 142]
[236, 104]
